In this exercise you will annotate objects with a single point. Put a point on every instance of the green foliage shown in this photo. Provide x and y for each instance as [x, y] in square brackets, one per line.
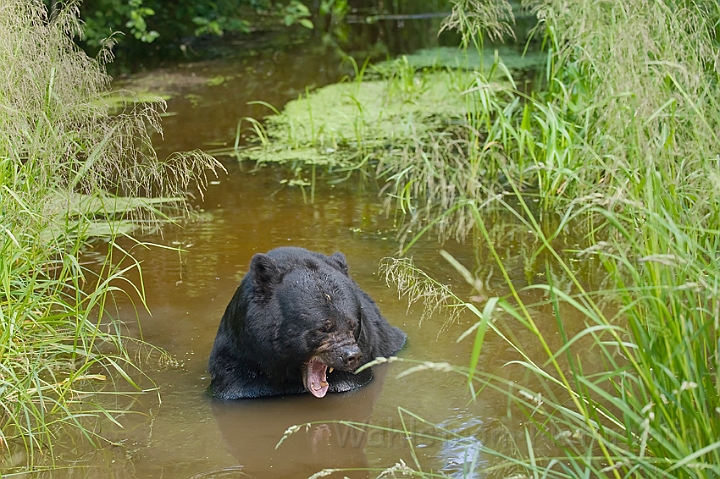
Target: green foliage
[64, 161]
[297, 12]
[218, 25]
[137, 24]
[477, 18]
[621, 139]
[336, 28]
[148, 20]
[105, 19]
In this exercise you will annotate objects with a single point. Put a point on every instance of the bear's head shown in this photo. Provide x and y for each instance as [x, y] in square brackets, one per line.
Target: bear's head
[317, 316]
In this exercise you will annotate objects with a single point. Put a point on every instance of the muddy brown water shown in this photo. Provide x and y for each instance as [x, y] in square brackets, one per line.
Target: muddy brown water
[191, 435]
[186, 434]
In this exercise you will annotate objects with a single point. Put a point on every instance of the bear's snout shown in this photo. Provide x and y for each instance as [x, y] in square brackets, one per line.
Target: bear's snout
[340, 351]
[350, 356]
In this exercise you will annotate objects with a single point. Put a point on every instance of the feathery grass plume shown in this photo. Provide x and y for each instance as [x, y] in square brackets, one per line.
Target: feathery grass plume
[416, 285]
[57, 123]
[475, 18]
[641, 79]
[64, 161]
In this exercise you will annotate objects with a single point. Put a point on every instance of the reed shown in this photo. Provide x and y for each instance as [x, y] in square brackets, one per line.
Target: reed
[69, 172]
[620, 138]
[631, 391]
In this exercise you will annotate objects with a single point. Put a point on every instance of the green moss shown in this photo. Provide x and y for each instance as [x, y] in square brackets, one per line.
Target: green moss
[451, 57]
[342, 123]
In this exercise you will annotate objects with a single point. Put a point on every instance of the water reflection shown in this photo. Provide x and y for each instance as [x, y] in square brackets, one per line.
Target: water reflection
[325, 440]
[461, 449]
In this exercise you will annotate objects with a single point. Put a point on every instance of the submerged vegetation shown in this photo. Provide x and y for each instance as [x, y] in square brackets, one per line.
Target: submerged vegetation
[69, 171]
[345, 124]
[618, 139]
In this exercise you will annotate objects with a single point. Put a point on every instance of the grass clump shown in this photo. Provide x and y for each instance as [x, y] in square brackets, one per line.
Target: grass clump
[630, 391]
[69, 171]
[629, 91]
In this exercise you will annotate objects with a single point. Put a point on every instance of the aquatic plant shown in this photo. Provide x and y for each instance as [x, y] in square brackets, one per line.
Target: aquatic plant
[623, 140]
[69, 171]
[360, 120]
[630, 392]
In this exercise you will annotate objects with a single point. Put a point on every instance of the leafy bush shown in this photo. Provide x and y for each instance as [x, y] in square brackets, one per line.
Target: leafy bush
[134, 22]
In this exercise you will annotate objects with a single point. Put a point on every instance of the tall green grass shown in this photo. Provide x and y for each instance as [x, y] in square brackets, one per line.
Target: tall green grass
[620, 139]
[630, 391]
[651, 410]
[69, 171]
[626, 88]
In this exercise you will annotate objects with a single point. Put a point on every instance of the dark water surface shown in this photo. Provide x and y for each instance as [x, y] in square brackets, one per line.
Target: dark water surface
[188, 435]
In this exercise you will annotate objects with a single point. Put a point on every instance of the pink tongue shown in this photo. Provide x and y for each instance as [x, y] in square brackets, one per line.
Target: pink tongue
[316, 379]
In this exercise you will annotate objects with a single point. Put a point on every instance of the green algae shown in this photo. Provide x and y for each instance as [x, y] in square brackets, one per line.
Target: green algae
[346, 123]
[393, 105]
[118, 100]
[452, 57]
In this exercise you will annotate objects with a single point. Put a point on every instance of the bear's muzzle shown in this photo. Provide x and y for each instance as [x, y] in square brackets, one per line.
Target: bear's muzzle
[335, 352]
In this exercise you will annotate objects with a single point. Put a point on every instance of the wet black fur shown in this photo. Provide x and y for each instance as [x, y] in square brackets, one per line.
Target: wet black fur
[290, 303]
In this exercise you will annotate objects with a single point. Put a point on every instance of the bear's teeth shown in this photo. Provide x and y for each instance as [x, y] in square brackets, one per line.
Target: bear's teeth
[330, 370]
[322, 385]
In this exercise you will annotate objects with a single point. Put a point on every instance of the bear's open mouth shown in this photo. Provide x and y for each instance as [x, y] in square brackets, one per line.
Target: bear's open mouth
[315, 377]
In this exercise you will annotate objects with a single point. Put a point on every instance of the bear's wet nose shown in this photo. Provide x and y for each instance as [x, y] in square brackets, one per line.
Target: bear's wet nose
[351, 356]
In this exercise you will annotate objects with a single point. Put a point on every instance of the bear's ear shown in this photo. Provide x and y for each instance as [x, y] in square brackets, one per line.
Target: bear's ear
[264, 273]
[338, 261]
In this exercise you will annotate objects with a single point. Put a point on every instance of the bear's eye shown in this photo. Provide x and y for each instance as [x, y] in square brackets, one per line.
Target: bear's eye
[327, 327]
[354, 325]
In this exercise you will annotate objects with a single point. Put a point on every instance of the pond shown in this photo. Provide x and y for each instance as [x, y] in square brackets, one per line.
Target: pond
[186, 434]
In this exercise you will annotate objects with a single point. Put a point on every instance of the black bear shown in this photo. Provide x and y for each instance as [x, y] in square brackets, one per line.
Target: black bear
[298, 323]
